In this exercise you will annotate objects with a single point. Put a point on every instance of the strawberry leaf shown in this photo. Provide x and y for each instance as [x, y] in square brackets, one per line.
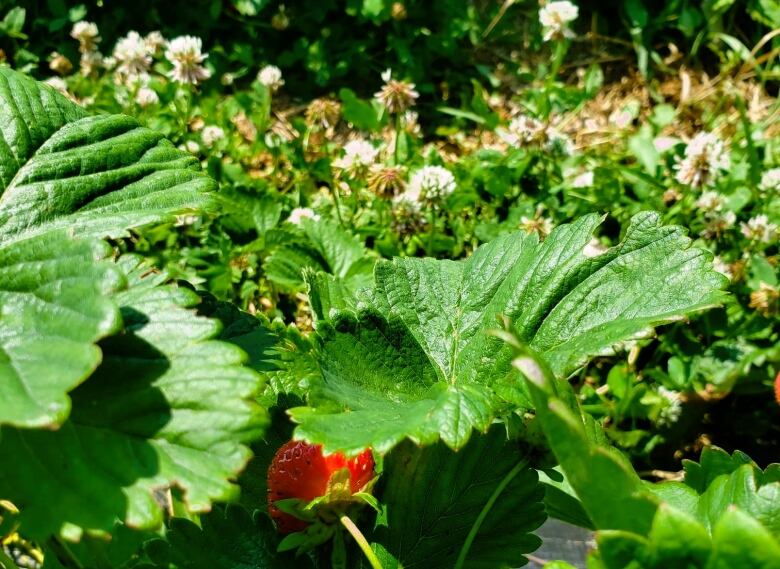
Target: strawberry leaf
[412, 357]
[168, 406]
[476, 507]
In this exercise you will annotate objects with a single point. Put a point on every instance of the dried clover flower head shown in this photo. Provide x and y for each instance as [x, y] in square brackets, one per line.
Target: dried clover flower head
[396, 96]
[759, 228]
[59, 63]
[386, 180]
[186, 55]
[132, 57]
[555, 18]
[271, 77]
[705, 157]
[87, 35]
[766, 300]
[432, 184]
[323, 113]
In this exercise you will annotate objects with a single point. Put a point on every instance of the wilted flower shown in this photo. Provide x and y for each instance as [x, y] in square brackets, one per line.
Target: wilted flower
[132, 57]
[555, 18]
[584, 180]
[246, 128]
[87, 35]
[154, 42]
[386, 180]
[705, 156]
[719, 224]
[146, 97]
[766, 300]
[770, 181]
[271, 77]
[396, 96]
[710, 201]
[759, 228]
[323, 112]
[398, 11]
[300, 213]
[280, 21]
[432, 183]
[211, 135]
[540, 225]
[185, 53]
[358, 155]
[59, 63]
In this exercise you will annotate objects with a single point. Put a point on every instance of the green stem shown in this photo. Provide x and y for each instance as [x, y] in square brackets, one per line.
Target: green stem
[334, 190]
[361, 540]
[464, 551]
[432, 232]
[396, 148]
[64, 554]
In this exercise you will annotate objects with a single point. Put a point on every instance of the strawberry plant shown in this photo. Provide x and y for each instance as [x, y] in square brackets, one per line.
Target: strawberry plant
[421, 320]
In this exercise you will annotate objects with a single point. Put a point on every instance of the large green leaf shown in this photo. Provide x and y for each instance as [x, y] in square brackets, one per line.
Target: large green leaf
[415, 359]
[64, 173]
[228, 538]
[94, 175]
[53, 308]
[477, 506]
[168, 407]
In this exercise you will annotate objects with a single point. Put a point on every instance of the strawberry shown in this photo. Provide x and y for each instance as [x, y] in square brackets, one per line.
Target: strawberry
[777, 388]
[299, 470]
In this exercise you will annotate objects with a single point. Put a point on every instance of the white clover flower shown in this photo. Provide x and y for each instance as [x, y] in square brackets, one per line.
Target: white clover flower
[523, 131]
[191, 146]
[770, 181]
[705, 157]
[146, 97]
[584, 180]
[593, 248]
[357, 154]
[722, 267]
[57, 83]
[185, 53]
[621, 118]
[271, 77]
[673, 408]
[300, 213]
[710, 202]
[132, 57]
[555, 18]
[90, 62]
[431, 183]
[87, 35]
[154, 42]
[212, 134]
[759, 228]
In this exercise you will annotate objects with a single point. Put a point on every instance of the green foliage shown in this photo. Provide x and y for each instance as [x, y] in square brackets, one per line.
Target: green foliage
[415, 360]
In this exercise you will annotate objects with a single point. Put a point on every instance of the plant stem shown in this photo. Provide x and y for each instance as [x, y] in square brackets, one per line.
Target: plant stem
[355, 532]
[335, 191]
[397, 139]
[464, 551]
[432, 232]
[64, 554]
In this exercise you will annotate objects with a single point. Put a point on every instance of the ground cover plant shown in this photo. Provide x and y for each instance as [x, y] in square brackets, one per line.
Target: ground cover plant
[384, 284]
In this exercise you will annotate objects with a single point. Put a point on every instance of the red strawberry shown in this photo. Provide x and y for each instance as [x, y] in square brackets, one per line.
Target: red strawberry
[777, 388]
[299, 470]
